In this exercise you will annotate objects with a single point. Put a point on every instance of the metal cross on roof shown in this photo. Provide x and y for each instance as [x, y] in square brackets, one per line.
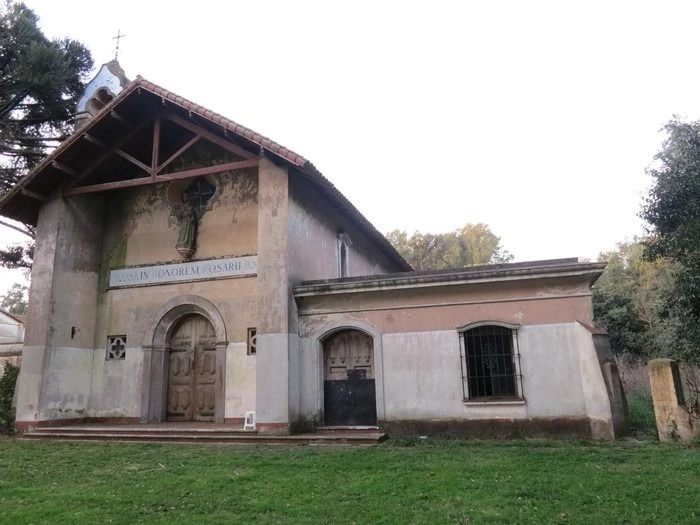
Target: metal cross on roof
[116, 47]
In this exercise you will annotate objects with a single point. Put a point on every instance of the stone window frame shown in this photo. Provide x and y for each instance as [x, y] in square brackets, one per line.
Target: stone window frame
[343, 254]
[470, 377]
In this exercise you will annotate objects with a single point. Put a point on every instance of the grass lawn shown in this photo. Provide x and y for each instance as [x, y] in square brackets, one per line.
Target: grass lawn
[401, 482]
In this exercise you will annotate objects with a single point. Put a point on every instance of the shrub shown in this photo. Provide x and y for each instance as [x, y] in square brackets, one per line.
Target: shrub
[7, 390]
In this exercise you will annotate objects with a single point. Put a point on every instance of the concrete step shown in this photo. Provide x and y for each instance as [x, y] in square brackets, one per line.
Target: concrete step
[144, 431]
[202, 436]
[355, 429]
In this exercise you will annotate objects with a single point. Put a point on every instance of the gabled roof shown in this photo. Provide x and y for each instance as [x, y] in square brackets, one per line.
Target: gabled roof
[133, 104]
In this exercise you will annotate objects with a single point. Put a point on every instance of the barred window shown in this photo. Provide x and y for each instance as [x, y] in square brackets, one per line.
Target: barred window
[490, 363]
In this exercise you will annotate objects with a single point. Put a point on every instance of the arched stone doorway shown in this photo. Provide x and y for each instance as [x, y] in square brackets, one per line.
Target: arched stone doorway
[169, 326]
[192, 371]
[349, 389]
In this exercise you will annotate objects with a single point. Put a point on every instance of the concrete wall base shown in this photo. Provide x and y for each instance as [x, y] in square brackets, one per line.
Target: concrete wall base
[26, 426]
[273, 429]
[573, 427]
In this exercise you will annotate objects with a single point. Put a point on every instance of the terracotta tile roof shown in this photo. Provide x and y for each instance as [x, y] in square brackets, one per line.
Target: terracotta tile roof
[257, 138]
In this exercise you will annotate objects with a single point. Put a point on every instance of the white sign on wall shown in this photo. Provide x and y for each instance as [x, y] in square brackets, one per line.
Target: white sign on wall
[186, 271]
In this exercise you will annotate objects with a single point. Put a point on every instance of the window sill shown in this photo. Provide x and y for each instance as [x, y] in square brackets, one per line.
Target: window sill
[484, 403]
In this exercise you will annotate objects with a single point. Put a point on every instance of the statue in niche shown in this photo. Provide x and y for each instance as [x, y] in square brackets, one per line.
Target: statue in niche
[188, 212]
[187, 234]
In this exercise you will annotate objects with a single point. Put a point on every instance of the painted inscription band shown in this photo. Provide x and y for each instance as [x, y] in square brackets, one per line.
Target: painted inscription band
[188, 271]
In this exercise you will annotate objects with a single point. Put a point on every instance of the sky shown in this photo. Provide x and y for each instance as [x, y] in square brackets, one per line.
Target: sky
[536, 118]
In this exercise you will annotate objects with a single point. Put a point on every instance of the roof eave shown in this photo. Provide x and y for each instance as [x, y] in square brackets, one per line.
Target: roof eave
[466, 276]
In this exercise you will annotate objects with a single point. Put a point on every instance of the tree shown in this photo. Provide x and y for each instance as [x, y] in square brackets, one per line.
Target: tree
[629, 300]
[40, 83]
[466, 246]
[672, 210]
[15, 300]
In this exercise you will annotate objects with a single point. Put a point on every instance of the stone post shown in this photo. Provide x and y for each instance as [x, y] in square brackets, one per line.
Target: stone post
[673, 419]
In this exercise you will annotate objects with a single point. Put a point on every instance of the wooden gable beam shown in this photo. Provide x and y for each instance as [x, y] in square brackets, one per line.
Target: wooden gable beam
[179, 152]
[198, 130]
[34, 195]
[119, 117]
[121, 153]
[136, 162]
[65, 169]
[106, 155]
[142, 181]
[94, 140]
[155, 151]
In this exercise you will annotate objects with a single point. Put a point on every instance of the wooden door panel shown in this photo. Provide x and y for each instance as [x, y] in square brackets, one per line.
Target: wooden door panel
[349, 386]
[192, 372]
[205, 384]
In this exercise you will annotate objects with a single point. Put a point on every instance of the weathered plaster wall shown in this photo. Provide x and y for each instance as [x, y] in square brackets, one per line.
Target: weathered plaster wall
[11, 330]
[538, 301]
[274, 386]
[314, 226]
[60, 332]
[417, 353]
[140, 229]
[132, 311]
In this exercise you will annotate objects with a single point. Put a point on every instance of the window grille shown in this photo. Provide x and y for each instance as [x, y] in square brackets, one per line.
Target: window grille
[116, 348]
[252, 341]
[490, 363]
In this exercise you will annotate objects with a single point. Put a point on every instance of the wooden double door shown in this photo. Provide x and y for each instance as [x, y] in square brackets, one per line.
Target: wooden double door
[192, 371]
[349, 390]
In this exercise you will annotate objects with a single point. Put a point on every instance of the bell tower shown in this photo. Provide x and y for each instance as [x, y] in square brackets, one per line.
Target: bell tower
[106, 85]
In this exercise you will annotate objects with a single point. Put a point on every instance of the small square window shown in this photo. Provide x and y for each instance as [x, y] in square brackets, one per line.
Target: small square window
[116, 347]
[252, 341]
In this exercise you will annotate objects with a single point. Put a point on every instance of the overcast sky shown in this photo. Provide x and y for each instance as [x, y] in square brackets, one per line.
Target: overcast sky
[536, 118]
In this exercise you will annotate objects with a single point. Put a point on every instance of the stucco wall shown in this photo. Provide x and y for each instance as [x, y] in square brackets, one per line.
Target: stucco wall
[422, 376]
[140, 229]
[417, 352]
[11, 330]
[54, 380]
[537, 301]
[314, 226]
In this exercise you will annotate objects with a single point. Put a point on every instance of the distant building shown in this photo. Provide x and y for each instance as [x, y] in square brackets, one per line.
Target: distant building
[188, 268]
[11, 338]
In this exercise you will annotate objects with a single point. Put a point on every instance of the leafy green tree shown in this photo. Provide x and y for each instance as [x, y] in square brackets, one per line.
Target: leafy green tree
[40, 83]
[629, 299]
[672, 210]
[467, 246]
[15, 300]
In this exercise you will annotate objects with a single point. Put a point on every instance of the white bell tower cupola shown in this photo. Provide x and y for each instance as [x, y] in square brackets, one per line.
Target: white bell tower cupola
[106, 85]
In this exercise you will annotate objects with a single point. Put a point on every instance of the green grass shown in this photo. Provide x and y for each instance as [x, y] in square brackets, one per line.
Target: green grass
[403, 482]
[641, 415]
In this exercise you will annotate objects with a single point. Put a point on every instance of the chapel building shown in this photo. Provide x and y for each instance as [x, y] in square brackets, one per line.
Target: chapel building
[189, 269]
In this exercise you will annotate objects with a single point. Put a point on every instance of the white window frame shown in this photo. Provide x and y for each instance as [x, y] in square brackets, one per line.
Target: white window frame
[519, 397]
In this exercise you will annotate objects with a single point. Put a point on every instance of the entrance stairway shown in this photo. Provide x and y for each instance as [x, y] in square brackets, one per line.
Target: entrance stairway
[206, 433]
